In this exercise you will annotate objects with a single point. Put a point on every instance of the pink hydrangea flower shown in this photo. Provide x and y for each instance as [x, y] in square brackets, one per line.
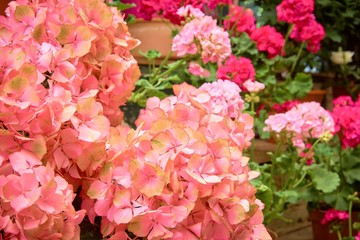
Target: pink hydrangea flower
[237, 70]
[268, 40]
[302, 122]
[240, 20]
[198, 70]
[293, 11]
[203, 36]
[253, 86]
[66, 68]
[333, 215]
[309, 30]
[180, 166]
[225, 97]
[346, 114]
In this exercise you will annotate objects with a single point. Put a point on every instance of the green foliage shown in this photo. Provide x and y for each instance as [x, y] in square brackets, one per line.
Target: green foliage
[324, 180]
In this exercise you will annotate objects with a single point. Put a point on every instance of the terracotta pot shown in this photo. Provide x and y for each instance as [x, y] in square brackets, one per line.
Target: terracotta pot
[3, 6]
[316, 95]
[154, 34]
[322, 231]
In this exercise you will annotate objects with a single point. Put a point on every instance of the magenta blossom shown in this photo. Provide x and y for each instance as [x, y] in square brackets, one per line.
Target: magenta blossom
[212, 4]
[239, 20]
[284, 107]
[293, 11]
[309, 30]
[237, 70]
[333, 215]
[346, 114]
[268, 40]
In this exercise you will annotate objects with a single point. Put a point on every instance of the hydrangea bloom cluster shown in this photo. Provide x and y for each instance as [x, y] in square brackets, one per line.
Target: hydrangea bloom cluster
[181, 174]
[239, 19]
[346, 114]
[306, 28]
[237, 70]
[268, 40]
[202, 35]
[65, 69]
[333, 215]
[302, 122]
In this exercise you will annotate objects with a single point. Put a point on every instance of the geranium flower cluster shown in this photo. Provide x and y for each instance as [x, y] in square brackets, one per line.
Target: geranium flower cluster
[148, 9]
[238, 70]
[181, 174]
[301, 123]
[240, 20]
[268, 40]
[285, 106]
[334, 215]
[305, 26]
[201, 35]
[346, 114]
[65, 68]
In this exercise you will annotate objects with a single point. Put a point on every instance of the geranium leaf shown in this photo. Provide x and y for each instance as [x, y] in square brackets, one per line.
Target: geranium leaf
[325, 180]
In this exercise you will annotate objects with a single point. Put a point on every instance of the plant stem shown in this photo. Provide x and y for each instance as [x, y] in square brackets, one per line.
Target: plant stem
[350, 219]
[291, 27]
[170, 70]
[338, 234]
[297, 59]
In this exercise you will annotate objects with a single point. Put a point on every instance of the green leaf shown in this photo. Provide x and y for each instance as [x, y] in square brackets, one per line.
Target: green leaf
[333, 35]
[266, 196]
[151, 54]
[130, 19]
[300, 85]
[352, 175]
[121, 6]
[323, 2]
[144, 83]
[325, 180]
[290, 196]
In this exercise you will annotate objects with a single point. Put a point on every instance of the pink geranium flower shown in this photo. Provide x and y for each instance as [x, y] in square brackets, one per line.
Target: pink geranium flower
[201, 35]
[239, 20]
[293, 11]
[309, 30]
[268, 40]
[253, 86]
[346, 116]
[237, 70]
[333, 215]
[303, 121]
[197, 70]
